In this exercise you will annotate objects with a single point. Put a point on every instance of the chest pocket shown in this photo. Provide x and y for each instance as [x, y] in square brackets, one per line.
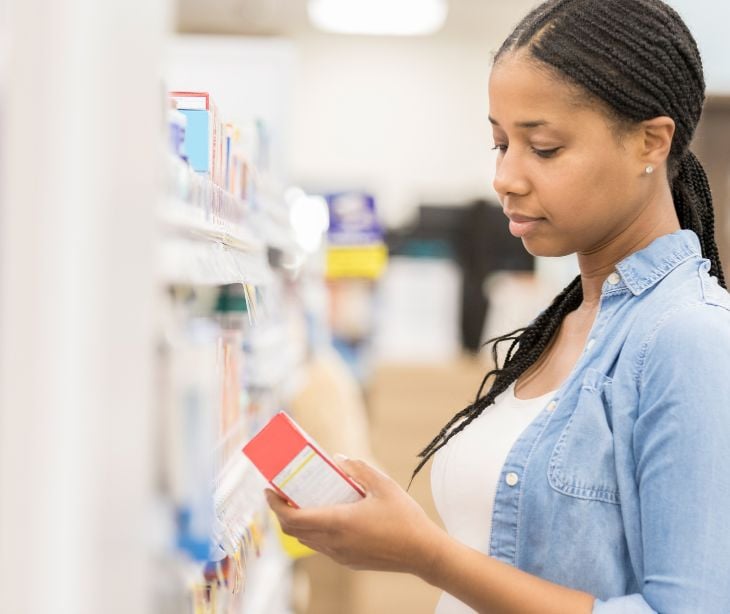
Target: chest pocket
[582, 463]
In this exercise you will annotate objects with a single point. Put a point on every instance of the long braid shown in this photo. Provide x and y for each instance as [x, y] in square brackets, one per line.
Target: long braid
[526, 347]
[638, 60]
[693, 201]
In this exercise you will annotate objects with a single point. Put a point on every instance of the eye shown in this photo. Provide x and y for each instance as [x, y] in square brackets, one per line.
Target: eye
[546, 153]
[500, 147]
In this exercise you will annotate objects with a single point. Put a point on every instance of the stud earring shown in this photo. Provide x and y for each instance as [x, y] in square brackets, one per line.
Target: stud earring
[649, 169]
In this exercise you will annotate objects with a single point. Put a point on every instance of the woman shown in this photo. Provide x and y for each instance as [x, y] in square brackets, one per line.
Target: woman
[602, 446]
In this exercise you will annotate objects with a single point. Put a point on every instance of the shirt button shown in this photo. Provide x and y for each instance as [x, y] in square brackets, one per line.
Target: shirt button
[551, 406]
[590, 343]
[511, 478]
[613, 279]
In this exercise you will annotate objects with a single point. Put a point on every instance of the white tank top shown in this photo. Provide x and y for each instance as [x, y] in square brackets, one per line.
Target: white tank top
[465, 473]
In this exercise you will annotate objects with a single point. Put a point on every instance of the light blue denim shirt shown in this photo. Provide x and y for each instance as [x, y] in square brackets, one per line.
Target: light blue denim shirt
[621, 485]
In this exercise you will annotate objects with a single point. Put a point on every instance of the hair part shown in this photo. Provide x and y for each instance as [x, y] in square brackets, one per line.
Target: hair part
[636, 60]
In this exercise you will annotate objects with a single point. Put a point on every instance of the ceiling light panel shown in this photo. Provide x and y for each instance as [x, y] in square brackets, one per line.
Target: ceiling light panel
[378, 17]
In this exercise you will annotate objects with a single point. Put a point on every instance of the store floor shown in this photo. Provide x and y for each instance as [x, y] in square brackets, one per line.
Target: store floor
[407, 406]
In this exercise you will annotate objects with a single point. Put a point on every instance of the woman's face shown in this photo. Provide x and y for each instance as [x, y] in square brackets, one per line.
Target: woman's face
[565, 179]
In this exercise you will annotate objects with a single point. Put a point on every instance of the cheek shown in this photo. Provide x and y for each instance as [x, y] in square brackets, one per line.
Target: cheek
[584, 190]
[583, 201]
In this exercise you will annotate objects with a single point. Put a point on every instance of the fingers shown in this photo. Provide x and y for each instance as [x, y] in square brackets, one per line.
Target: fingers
[299, 521]
[372, 480]
[286, 513]
[356, 469]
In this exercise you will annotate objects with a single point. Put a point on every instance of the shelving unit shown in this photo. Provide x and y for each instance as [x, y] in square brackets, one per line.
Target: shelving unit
[228, 362]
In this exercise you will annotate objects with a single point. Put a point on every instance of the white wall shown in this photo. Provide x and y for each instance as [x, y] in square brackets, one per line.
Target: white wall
[81, 124]
[709, 21]
[406, 119]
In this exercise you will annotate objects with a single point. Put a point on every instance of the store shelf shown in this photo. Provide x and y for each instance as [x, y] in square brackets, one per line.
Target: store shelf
[210, 237]
[208, 259]
[187, 219]
[227, 362]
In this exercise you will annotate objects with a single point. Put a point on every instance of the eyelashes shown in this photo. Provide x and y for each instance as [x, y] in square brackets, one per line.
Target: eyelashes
[541, 153]
[546, 153]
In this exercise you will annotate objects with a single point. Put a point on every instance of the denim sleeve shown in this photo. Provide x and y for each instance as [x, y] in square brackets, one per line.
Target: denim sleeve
[682, 452]
[631, 604]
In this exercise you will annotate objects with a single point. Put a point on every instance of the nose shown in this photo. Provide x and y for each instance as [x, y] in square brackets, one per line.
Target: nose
[509, 179]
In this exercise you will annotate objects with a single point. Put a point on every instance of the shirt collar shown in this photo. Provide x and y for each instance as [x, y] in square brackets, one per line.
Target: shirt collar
[645, 268]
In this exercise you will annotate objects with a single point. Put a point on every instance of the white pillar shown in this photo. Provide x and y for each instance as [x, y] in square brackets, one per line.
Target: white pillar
[80, 124]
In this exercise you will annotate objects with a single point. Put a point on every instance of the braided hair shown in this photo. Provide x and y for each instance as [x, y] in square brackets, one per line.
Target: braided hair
[636, 59]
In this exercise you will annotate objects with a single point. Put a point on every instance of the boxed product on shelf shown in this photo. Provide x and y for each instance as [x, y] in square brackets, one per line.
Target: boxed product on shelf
[192, 100]
[204, 133]
[220, 149]
[199, 137]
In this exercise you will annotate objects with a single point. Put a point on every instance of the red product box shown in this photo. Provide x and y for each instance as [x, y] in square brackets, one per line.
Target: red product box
[296, 467]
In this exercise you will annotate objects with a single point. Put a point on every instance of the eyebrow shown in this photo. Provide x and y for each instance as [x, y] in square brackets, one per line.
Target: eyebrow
[529, 124]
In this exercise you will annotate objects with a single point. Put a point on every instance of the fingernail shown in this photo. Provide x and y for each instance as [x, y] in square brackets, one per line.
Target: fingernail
[340, 457]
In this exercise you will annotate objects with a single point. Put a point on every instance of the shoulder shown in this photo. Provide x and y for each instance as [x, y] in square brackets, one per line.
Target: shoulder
[693, 336]
[687, 307]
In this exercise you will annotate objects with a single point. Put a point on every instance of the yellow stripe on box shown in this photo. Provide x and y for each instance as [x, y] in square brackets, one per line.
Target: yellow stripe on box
[297, 470]
[366, 261]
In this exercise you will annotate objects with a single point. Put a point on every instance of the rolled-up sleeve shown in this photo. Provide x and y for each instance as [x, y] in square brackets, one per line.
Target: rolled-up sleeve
[682, 452]
[632, 604]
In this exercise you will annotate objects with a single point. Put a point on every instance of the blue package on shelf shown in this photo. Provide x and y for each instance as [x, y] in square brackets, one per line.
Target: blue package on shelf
[198, 139]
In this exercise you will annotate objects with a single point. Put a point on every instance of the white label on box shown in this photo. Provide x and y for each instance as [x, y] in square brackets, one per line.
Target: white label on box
[310, 481]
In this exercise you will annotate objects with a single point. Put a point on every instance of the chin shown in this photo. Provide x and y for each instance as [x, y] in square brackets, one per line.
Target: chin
[546, 249]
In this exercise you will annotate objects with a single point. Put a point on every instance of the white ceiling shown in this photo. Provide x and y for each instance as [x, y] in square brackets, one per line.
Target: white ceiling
[467, 18]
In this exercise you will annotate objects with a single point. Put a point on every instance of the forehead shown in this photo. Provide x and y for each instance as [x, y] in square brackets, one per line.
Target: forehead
[521, 90]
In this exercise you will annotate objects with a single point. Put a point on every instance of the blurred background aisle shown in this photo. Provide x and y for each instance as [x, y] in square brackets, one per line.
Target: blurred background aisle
[215, 210]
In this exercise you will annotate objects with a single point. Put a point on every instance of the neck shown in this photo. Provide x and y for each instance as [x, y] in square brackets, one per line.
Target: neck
[657, 219]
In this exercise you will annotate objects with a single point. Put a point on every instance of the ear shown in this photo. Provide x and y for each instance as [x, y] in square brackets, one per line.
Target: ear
[656, 140]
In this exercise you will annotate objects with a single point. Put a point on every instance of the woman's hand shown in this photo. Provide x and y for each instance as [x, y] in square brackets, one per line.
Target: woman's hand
[386, 531]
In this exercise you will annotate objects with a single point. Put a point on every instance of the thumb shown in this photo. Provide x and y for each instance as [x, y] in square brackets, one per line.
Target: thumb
[365, 475]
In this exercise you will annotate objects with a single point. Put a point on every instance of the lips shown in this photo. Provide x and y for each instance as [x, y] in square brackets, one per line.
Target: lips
[516, 217]
[521, 225]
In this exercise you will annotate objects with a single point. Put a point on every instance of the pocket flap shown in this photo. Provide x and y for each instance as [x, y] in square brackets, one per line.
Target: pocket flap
[582, 464]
